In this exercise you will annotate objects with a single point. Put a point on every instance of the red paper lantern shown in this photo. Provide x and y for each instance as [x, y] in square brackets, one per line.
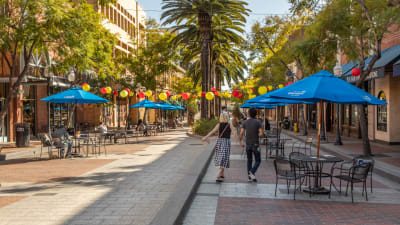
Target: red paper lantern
[168, 94]
[355, 72]
[253, 89]
[115, 92]
[213, 89]
[141, 94]
[193, 96]
[103, 90]
[203, 94]
[235, 93]
[127, 89]
[239, 95]
[216, 93]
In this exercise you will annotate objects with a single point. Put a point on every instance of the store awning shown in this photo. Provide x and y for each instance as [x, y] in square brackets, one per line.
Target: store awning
[388, 56]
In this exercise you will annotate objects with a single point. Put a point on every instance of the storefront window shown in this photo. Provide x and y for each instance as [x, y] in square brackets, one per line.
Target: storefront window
[382, 113]
[354, 115]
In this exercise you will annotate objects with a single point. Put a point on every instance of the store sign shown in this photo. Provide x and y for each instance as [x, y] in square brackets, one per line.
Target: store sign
[379, 73]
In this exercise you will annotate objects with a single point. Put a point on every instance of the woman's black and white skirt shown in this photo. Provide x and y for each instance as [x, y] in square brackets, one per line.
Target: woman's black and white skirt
[222, 152]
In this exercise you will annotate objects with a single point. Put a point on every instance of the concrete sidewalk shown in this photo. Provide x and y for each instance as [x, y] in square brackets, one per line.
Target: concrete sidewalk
[146, 183]
[387, 157]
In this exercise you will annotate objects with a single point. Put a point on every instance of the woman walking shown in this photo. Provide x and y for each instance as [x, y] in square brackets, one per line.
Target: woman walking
[223, 146]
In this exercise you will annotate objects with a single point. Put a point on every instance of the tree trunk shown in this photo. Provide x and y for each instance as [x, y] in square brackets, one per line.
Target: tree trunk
[364, 131]
[303, 119]
[204, 20]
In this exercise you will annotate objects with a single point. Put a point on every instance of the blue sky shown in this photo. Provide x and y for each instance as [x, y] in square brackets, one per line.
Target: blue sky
[259, 8]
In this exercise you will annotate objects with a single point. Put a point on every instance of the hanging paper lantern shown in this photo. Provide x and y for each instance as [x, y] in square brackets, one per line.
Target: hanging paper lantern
[193, 96]
[239, 95]
[227, 94]
[216, 93]
[141, 94]
[253, 89]
[173, 97]
[149, 93]
[127, 89]
[162, 96]
[262, 90]
[168, 94]
[280, 86]
[115, 92]
[213, 89]
[235, 93]
[270, 88]
[123, 94]
[209, 96]
[249, 91]
[103, 90]
[185, 96]
[109, 90]
[203, 94]
[131, 94]
[151, 98]
[355, 72]
[86, 87]
[252, 96]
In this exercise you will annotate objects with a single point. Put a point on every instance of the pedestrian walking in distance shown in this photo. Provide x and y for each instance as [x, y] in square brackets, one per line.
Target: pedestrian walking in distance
[253, 129]
[223, 146]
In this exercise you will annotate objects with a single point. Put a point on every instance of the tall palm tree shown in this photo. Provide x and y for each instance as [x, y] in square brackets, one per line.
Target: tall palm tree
[186, 13]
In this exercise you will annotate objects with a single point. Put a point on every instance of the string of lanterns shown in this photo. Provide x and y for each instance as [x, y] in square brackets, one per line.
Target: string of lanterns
[186, 96]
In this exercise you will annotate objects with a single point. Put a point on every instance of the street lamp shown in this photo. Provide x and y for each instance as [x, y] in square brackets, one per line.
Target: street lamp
[337, 70]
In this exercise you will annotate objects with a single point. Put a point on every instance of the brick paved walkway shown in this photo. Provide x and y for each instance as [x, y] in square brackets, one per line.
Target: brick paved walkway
[128, 186]
[235, 201]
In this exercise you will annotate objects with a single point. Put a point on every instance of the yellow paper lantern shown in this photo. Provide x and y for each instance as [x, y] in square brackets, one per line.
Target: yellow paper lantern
[86, 87]
[151, 98]
[209, 96]
[270, 88]
[227, 94]
[252, 96]
[173, 97]
[123, 93]
[280, 86]
[149, 93]
[131, 94]
[262, 90]
[249, 91]
[162, 96]
[109, 89]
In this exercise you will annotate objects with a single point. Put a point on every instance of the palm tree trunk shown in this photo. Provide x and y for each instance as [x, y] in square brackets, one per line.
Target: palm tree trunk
[205, 30]
[303, 119]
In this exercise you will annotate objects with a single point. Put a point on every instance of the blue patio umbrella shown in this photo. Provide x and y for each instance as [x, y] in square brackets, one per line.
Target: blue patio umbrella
[257, 106]
[75, 96]
[267, 99]
[324, 86]
[166, 106]
[146, 104]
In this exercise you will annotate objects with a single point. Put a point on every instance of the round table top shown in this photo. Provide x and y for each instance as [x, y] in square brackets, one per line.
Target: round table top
[321, 158]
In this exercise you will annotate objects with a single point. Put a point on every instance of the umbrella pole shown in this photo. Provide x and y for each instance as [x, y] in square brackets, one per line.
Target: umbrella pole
[319, 126]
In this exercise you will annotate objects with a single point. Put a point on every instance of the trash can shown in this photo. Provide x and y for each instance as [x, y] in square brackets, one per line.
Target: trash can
[22, 134]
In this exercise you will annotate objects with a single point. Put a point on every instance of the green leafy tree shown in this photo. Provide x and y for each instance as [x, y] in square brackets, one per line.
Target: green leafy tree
[198, 16]
[359, 26]
[154, 59]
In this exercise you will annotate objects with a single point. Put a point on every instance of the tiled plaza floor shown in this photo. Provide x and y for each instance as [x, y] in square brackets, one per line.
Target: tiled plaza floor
[238, 202]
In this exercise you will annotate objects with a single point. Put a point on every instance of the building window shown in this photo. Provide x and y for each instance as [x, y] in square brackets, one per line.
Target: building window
[382, 113]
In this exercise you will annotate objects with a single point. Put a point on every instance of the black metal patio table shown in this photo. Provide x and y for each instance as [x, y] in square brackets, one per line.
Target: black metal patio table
[316, 165]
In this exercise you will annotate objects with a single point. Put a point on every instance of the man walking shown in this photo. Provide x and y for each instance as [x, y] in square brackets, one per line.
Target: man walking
[253, 128]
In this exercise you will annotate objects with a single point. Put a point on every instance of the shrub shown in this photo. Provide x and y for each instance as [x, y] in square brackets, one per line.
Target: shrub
[204, 126]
